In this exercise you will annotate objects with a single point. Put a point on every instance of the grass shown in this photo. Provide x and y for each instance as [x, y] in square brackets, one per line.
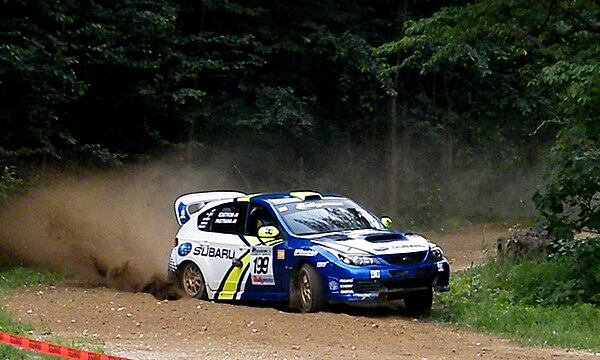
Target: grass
[531, 302]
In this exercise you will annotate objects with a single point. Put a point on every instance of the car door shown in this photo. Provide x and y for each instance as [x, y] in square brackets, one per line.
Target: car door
[266, 263]
[222, 247]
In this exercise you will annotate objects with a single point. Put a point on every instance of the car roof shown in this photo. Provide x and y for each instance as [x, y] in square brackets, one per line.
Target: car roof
[279, 198]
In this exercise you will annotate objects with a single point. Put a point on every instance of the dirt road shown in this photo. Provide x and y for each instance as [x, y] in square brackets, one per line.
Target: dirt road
[139, 326]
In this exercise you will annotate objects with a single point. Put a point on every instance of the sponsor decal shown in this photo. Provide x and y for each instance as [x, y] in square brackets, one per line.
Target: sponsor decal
[282, 209]
[440, 267]
[322, 264]
[346, 281]
[263, 280]
[262, 266]
[317, 205]
[333, 285]
[214, 252]
[347, 291]
[203, 225]
[346, 286]
[375, 274]
[204, 221]
[305, 252]
[381, 249]
[408, 246]
[184, 249]
[280, 254]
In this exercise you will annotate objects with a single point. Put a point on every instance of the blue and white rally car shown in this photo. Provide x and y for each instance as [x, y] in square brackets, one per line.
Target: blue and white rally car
[307, 248]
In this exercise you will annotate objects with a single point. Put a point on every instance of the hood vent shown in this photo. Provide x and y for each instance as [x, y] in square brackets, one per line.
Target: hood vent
[384, 238]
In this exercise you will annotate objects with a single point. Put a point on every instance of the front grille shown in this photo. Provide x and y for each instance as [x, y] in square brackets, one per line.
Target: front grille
[408, 283]
[366, 286]
[406, 259]
[376, 286]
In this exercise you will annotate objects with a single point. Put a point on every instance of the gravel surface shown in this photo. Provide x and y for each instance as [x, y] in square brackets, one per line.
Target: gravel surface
[137, 325]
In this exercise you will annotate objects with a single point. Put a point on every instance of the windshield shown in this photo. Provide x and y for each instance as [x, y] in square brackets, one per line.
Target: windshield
[315, 217]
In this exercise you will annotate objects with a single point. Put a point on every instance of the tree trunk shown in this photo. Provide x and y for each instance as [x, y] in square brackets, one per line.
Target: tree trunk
[393, 179]
[447, 144]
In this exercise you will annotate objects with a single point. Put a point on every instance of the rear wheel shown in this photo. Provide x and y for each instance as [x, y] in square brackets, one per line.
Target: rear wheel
[192, 281]
[419, 302]
[311, 294]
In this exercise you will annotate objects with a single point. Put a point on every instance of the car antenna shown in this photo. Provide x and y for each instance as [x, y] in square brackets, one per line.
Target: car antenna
[243, 178]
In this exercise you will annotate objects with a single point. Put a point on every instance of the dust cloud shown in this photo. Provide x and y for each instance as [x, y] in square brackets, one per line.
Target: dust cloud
[114, 228]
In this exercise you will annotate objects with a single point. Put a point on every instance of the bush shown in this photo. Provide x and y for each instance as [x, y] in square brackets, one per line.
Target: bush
[546, 300]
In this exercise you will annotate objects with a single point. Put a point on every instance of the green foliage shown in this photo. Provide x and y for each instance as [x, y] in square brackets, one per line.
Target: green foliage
[550, 301]
[466, 61]
[11, 326]
[103, 83]
[279, 109]
[570, 201]
[9, 182]
[13, 276]
[504, 70]
[501, 63]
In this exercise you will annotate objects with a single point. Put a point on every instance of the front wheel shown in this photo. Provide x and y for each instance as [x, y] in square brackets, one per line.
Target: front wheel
[419, 302]
[310, 288]
[192, 281]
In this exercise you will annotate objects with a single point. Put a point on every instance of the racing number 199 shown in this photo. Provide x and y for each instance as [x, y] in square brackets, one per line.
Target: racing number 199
[261, 265]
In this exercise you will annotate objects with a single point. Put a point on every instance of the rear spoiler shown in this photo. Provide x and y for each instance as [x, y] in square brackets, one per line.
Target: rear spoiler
[188, 204]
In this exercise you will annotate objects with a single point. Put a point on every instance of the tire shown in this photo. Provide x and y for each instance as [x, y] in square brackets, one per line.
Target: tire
[192, 281]
[419, 302]
[311, 295]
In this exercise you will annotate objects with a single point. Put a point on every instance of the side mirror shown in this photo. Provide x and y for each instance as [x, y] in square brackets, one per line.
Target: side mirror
[387, 221]
[268, 232]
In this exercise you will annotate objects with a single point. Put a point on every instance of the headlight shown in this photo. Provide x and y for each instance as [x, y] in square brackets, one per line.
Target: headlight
[435, 252]
[358, 260]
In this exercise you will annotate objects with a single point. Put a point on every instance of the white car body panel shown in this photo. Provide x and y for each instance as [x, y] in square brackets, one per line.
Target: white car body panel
[189, 204]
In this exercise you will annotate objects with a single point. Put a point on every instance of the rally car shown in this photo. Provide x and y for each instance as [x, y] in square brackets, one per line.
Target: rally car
[305, 248]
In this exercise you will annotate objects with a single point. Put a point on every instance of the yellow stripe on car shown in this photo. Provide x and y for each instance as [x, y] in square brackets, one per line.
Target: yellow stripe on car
[233, 279]
[302, 195]
[247, 197]
[253, 240]
[273, 242]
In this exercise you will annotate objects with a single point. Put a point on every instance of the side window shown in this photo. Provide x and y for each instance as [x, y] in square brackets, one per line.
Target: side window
[228, 218]
[204, 220]
[258, 216]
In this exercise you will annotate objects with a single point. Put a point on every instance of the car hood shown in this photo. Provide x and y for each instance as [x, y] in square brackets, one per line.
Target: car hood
[373, 242]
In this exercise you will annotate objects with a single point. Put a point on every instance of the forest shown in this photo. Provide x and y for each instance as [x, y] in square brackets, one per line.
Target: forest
[424, 109]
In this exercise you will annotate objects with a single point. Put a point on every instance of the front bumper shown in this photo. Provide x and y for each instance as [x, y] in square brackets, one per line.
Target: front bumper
[372, 283]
